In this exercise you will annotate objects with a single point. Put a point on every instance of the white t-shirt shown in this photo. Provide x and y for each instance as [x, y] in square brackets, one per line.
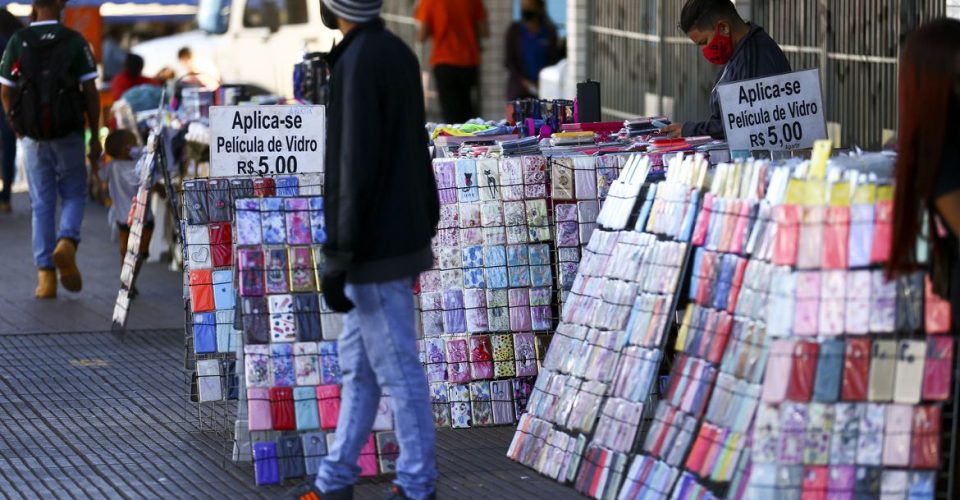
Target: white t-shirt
[123, 181]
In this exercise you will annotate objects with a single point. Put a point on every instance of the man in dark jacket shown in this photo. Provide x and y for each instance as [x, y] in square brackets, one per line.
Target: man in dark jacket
[745, 50]
[382, 210]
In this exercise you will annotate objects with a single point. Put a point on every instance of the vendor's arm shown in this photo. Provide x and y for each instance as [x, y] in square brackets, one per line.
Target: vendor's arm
[712, 127]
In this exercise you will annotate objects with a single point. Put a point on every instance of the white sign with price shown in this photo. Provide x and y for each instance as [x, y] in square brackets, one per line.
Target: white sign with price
[266, 140]
[775, 113]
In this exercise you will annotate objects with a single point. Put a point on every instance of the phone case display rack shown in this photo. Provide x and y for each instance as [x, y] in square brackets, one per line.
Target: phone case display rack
[260, 337]
[507, 249]
[795, 367]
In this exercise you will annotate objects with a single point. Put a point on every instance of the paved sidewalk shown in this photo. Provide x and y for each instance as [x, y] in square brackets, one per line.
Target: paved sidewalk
[85, 413]
[158, 306]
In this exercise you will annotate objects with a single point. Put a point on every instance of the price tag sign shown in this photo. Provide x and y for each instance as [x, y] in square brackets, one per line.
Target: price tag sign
[776, 113]
[266, 140]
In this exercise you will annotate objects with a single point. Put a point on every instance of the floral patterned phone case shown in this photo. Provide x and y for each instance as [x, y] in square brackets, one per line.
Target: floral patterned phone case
[318, 226]
[458, 368]
[277, 271]
[296, 213]
[272, 224]
[306, 363]
[480, 403]
[446, 175]
[503, 356]
[481, 357]
[440, 404]
[301, 270]
[460, 411]
[248, 222]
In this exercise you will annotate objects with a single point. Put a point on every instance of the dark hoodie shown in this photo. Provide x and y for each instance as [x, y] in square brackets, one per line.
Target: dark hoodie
[380, 196]
[756, 56]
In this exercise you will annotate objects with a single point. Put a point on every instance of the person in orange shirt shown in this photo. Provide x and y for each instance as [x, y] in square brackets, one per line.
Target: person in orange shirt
[456, 27]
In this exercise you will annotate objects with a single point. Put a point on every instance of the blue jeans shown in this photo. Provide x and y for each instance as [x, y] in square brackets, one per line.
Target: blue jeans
[378, 349]
[55, 167]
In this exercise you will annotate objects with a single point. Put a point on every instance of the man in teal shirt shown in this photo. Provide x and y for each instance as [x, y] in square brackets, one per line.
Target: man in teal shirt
[47, 58]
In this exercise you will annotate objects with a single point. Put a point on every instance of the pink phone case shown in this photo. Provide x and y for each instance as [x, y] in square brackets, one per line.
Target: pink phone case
[779, 366]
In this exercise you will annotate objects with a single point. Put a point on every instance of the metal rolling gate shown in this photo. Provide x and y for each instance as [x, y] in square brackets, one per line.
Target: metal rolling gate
[647, 65]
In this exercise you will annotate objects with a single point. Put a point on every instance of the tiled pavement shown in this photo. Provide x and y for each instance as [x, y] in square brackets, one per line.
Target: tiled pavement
[86, 413]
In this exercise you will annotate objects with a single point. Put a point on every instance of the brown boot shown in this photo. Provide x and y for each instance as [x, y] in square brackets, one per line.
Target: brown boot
[65, 258]
[46, 284]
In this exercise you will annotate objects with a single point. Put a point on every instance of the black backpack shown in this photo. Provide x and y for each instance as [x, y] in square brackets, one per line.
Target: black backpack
[47, 102]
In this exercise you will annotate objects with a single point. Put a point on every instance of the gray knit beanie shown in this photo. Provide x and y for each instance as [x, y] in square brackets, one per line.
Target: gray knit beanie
[355, 11]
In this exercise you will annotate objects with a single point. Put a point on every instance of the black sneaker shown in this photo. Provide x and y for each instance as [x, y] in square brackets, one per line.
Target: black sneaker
[396, 493]
[307, 490]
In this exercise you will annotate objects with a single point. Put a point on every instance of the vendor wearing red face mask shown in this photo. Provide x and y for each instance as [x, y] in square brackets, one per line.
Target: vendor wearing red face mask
[744, 50]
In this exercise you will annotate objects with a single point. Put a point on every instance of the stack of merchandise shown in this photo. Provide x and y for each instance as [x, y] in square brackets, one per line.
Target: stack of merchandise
[525, 146]
[603, 363]
[798, 369]
[290, 394]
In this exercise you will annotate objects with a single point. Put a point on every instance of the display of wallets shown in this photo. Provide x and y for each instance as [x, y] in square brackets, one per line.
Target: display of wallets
[826, 388]
[460, 413]
[255, 319]
[314, 449]
[481, 357]
[272, 226]
[328, 401]
[259, 415]
[911, 355]
[938, 368]
[252, 279]
[265, 464]
[440, 404]
[458, 369]
[883, 364]
[205, 333]
[195, 201]
[504, 364]
[856, 368]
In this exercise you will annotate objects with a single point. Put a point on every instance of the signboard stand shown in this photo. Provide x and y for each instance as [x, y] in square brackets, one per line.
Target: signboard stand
[776, 113]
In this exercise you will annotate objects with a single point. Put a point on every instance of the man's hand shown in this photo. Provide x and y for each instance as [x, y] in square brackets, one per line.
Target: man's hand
[673, 130]
[96, 150]
[332, 285]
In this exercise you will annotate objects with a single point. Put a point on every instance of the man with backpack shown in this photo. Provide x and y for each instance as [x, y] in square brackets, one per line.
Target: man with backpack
[48, 84]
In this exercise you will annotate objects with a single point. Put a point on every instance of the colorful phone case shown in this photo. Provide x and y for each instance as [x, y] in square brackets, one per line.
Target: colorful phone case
[283, 326]
[205, 333]
[925, 441]
[265, 464]
[896, 441]
[305, 402]
[458, 370]
[779, 367]
[328, 400]
[201, 290]
[329, 364]
[440, 404]
[195, 201]
[826, 388]
[252, 278]
[804, 371]
[481, 406]
[911, 356]
[248, 222]
[297, 221]
[856, 368]
[291, 457]
[938, 368]
[287, 185]
[264, 186]
[241, 188]
[281, 361]
[219, 201]
[306, 311]
[883, 364]
[503, 356]
[256, 319]
[481, 357]
[277, 271]
[258, 409]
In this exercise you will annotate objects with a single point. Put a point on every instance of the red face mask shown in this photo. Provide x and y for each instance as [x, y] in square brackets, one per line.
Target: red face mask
[718, 50]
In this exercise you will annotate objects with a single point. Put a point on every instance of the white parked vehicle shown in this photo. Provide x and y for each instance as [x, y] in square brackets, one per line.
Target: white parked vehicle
[252, 42]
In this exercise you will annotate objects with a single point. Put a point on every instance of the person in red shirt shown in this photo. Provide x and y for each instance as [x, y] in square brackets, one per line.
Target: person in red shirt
[130, 77]
[456, 27]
